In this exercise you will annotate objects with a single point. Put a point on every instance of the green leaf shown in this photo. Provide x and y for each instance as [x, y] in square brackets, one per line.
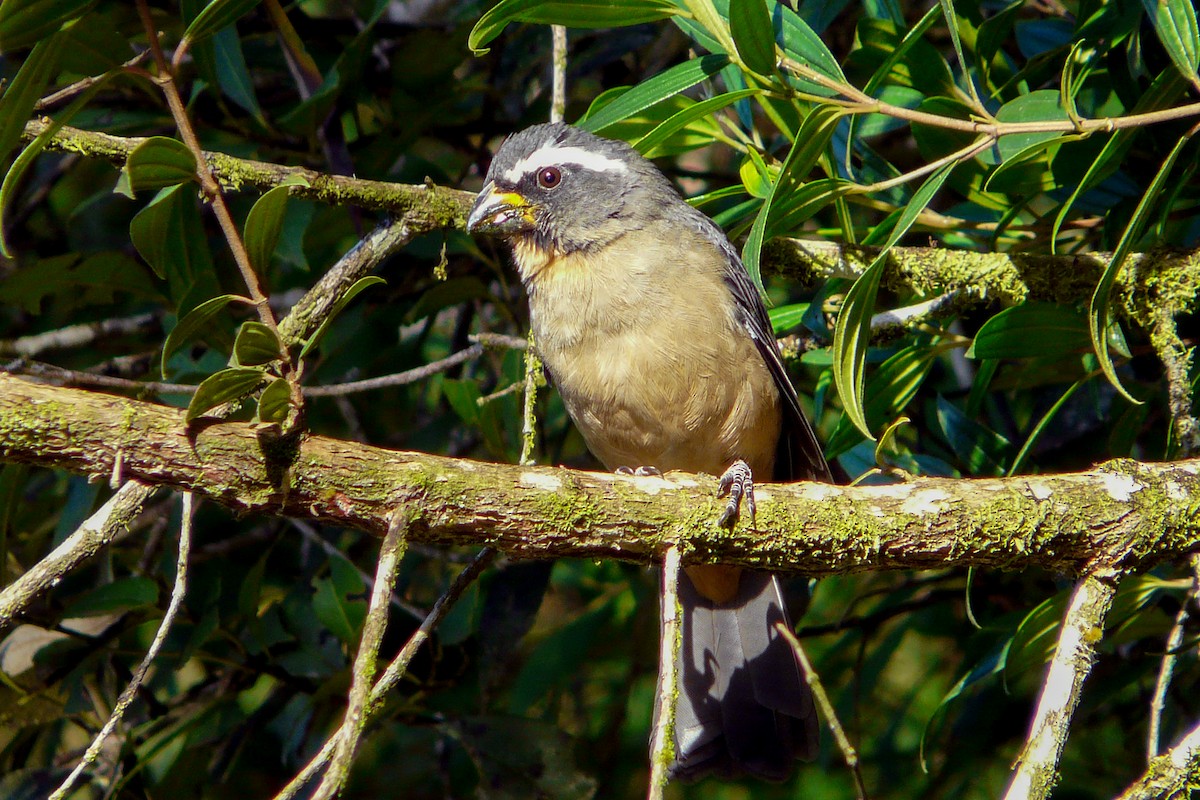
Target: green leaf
[26, 22]
[852, 334]
[952, 26]
[1032, 330]
[889, 390]
[990, 665]
[195, 322]
[663, 131]
[1175, 23]
[753, 34]
[981, 450]
[217, 15]
[351, 293]
[665, 84]
[1098, 314]
[255, 345]
[20, 96]
[1036, 432]
[340, 616]
[577, 14]
[275, 401]
[787, 317]
[802, 43]
[159, 162]
[12, 179]
[1042, 105]
[263, 224]
[111, 598]
[223, 387]
[812, 141]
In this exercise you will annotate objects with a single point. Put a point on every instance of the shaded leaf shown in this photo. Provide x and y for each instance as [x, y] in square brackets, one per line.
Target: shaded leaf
[1032, 330]
[350, 294]
[27, 22]
[217, 15]
[980, 449]
[518, 759]
[275, 401]
[125, 594]
[20, 96]
[195, 323]
[341, 616]
[263, 226]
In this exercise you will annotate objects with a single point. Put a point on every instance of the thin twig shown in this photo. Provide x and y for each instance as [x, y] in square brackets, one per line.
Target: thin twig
[1082, 627]
[662, 745]
[558, 81]
[399, 666]
[70, 377]
[1175, 774]
[80, 86]
[849, 754]
[398, 379]
[160, 636]
[1167, 668]
[97, 532]
[347, 737]
[76, 335]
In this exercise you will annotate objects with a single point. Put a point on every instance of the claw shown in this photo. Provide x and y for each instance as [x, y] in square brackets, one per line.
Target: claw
[639, 471]
[738, 483]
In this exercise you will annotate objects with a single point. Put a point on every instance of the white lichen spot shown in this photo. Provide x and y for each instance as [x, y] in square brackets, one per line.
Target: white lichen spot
[540, 480]
[876, 511]
[652, 484]
[925, 501]
[1174, 491]
[818, 491]
[1119, 487]
[1040, 491]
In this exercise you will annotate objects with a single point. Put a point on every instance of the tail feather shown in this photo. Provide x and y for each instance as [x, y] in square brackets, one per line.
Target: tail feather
[743, 705]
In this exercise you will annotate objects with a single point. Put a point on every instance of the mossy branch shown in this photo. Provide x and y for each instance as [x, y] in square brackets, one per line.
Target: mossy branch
[1123, 514]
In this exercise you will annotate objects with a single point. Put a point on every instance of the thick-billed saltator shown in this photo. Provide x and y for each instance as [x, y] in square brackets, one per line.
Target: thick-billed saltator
[660, 345]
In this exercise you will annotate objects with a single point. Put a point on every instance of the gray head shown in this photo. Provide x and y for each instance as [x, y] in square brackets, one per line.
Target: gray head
[568, 190]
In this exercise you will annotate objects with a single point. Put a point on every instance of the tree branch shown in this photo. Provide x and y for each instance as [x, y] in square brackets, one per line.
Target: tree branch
[1123, 514]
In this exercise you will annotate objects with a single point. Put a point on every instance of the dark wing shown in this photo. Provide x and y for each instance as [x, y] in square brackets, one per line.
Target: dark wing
[799, 456]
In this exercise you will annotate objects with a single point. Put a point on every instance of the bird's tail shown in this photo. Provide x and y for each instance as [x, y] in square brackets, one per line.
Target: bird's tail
[743, 705]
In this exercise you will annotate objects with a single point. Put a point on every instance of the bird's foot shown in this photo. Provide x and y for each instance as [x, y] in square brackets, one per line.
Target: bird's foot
[738, 483]
[641, 472]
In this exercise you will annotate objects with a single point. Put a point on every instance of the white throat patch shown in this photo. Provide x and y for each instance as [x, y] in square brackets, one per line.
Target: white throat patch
[551, 155]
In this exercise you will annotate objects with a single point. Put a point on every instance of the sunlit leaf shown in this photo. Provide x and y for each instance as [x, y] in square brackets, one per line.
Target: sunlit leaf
[195, 323]
[577, 14]
[263, 225]
[223, 387]
[1175, 23]
[665, 84]
[350, 294]
[255, 345]
[750, 26]
[216, 15]
[158, 162]
[1032, 330]
[275, 401]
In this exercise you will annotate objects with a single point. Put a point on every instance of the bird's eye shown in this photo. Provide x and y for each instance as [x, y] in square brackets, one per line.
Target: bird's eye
[549, 177]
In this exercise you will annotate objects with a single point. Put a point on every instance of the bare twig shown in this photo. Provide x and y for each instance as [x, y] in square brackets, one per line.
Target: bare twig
[1082, 627]
[1175, 774]
[558, 81]
[398, 379]
[662, 750]
[398, 667]
[347, 737]
[80, 86]
[76, 335]
[160, 636]
[849, 754]
[70, 377]
[1167, 667]
[97, 532]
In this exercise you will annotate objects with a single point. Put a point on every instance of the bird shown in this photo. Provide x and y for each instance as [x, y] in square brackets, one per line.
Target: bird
[656, 338]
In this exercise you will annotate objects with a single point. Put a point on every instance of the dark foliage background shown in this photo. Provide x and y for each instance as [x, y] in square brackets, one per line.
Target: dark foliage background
[541, 682]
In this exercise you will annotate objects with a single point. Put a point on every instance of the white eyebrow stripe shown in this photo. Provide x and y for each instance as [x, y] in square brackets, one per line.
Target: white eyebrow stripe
[551, 155]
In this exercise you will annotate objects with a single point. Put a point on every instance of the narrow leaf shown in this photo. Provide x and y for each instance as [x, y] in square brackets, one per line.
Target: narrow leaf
[667, 83]
[223, 387]
[20, 96]
[578, 14]
[1098, 313]
[665, 129]
[753, 35]
[1175, 23]
[195, 322]
[1032, 330]
[852, 334]
[217, 15]
[26, 22]
[351, 293]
